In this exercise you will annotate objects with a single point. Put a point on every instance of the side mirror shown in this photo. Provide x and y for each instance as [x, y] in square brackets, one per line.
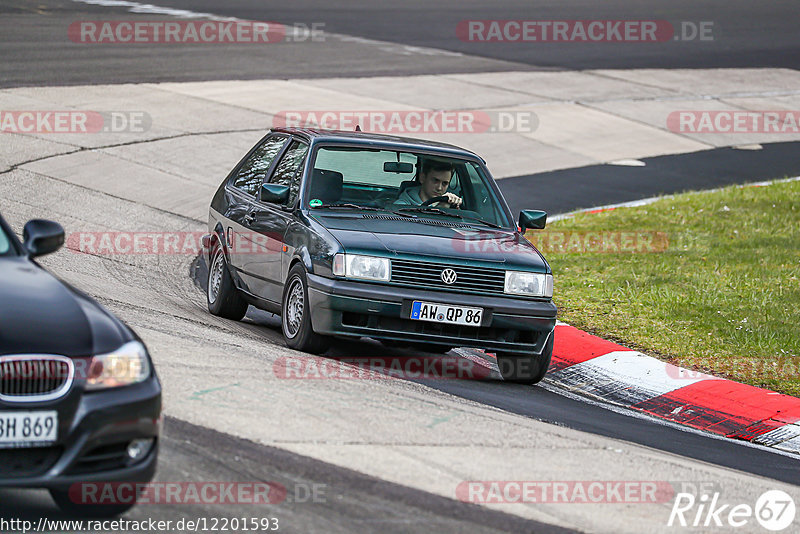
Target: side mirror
[532, 219]
[275, 193]
[42, 237]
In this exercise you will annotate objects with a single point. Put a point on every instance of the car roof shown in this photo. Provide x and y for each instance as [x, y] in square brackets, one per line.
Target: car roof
[366, 138]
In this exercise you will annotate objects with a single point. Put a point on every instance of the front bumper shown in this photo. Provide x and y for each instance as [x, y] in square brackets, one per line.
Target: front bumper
[94, 430]
[350, 308]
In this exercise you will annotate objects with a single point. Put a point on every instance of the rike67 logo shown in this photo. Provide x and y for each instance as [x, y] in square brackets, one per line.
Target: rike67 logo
[774, 510]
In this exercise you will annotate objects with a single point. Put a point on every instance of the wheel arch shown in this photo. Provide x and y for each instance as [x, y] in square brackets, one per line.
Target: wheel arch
[218, 236]
[301, 256]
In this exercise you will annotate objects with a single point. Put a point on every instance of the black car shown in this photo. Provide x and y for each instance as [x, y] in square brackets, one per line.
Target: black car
[80, 402]
[402, 240]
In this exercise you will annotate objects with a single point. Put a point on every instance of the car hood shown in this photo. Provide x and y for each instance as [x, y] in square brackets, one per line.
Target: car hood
[401, 237]
[40, 314]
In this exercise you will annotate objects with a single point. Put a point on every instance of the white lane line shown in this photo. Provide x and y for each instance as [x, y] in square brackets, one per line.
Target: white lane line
[628, 163]
[626, 377]
[150, 9]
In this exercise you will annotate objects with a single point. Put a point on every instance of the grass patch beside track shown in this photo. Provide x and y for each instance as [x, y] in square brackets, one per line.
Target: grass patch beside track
[709, 280]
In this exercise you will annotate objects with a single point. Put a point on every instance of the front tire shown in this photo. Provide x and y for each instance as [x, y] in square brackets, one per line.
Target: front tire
[526, 369]
[296, 315]
[222, 296]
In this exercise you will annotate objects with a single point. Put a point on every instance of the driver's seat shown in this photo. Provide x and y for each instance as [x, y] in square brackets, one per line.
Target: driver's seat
[405, 185]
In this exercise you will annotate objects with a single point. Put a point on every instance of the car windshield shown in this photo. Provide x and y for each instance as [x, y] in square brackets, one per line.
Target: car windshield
[407, 182]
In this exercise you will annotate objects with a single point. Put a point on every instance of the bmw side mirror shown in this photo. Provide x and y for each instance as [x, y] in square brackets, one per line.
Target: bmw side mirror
[42, 237]
[275, 193]
[532, 219]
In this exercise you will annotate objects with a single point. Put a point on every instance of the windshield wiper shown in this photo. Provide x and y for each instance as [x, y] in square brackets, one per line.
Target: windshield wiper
[487, 223]
[430, 210]
[346, 205]
[438, 211]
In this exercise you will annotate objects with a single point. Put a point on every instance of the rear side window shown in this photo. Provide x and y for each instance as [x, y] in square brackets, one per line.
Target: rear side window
[254, 170]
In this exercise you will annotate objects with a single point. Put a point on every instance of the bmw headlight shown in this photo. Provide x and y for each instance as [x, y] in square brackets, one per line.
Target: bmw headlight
[127, 365]
[530, 284]
[364, 267]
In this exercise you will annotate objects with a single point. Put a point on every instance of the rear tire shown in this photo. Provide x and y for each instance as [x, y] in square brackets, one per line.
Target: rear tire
[66, 505]
[222, 296]
[296, 315]
[524, 368]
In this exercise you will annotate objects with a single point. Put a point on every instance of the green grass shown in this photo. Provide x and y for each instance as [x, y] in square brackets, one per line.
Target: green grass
[716, 287]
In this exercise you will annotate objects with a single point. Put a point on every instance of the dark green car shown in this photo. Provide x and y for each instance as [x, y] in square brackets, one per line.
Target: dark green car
[405, 241]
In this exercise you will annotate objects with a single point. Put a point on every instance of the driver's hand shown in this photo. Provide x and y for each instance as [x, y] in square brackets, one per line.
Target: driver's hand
[454, 200]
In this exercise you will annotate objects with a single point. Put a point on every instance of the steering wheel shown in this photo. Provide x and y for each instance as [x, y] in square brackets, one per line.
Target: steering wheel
[434, 200]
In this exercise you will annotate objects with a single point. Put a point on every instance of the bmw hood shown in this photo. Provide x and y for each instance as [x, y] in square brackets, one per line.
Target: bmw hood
[40, 314]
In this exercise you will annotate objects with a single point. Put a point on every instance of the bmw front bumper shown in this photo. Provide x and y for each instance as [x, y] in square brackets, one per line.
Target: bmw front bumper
[94, 431]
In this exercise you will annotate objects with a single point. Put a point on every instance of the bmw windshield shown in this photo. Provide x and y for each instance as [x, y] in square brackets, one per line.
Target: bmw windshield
[413, 184]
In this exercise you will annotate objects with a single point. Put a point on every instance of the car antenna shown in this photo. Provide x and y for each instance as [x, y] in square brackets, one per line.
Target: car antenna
[358, 128]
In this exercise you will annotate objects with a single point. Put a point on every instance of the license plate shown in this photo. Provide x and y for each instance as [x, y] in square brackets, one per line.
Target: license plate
[444, 313]
[25, 428]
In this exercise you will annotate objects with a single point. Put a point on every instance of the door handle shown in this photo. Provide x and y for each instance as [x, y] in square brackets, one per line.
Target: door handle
[249, 218]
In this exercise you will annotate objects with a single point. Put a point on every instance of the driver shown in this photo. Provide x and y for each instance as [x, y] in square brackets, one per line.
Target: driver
[434, 179]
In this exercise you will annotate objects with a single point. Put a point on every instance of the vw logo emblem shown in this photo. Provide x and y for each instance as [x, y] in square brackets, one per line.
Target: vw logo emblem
[449, 276]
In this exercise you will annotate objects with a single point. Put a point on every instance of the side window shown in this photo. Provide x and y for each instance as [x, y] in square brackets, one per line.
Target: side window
[254, 170]
[287, 171]
[484, 202]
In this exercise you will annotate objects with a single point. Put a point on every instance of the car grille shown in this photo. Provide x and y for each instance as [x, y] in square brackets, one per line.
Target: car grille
[429, 275]
[27, 462]
[34, 378]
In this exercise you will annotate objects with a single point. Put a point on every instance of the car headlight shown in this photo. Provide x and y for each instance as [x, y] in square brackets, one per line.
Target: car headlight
[364, 267]
[127, 365]
[531, 284]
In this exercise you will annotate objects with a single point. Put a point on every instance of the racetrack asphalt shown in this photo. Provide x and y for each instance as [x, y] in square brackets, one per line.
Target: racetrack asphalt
[319, 496]
[418, 37]
[566, 190]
